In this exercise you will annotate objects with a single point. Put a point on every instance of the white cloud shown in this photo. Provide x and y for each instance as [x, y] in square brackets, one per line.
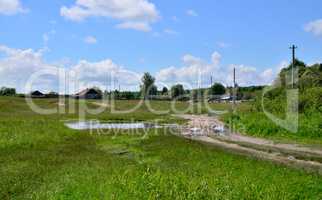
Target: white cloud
[90, 40]
[104, 73]
[170, 32]
[18, 65]
[135, 14]
[282, 65]
[189, 73]
[192, 13]
[11, 7]
[267, 76]
[246, 75]
[314, 27]
[139, 26]
[46, 37]
[196, 70]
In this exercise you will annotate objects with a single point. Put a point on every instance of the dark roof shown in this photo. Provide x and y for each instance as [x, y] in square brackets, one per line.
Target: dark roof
[87, 91]
[37, 93]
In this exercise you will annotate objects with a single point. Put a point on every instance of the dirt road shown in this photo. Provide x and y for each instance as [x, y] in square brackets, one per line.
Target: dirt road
[210, 130]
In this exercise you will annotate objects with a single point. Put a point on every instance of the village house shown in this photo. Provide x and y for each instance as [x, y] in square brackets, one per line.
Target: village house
[89, 93]
[37, 94]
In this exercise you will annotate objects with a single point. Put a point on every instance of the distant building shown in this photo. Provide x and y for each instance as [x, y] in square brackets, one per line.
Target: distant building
[37, 94]
[226, 98]
[220, 98]
[89, 93]
[52, 95]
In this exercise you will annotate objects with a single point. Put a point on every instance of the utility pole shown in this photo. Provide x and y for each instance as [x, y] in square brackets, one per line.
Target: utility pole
[211, 81]
[293, 48]
[234, 92]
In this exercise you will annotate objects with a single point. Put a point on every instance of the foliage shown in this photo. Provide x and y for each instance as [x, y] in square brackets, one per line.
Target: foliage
[4, 91]
[254, 122]
[194, 95]
[148, 88]
[97, 89]
[164, 91]
[177, 91]
[306, 76]
[52, 95]
[311, 100]
[217, 89]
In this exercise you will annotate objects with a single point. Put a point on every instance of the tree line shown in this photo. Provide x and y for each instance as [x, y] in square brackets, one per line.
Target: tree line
[4, 91]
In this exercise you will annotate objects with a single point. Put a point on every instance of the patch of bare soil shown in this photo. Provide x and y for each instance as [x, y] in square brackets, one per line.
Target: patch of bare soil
[104, 105]
[210, 130]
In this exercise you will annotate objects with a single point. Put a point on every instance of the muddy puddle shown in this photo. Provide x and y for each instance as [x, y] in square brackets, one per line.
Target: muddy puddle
[89, 125]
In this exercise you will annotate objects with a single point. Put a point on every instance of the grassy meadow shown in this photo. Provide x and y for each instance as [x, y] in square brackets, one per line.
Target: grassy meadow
[42, 159]
[250, 118]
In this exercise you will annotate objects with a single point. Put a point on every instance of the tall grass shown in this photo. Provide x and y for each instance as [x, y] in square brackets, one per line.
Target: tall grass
[252, 120]
[42, 159]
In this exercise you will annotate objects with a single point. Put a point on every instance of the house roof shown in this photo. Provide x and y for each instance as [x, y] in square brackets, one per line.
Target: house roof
[86, 91]
[36, 93]
[225, 97]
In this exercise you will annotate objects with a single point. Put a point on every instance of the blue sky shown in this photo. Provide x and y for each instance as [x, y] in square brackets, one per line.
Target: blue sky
[160, 33]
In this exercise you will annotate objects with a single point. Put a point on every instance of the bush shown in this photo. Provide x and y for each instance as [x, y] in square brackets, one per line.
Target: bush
[311, 99]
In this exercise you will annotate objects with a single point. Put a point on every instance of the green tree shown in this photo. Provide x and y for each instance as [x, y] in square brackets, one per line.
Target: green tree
[217, 89]
[164, 91]
[286, 73]
[4, 91]
[52, 94]
[148, 87]
[177, 90]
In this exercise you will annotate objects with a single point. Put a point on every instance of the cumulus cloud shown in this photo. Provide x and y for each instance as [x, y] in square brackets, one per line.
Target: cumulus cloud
[190, 72]
[105, 74]
[282, 65]
[90, 40]
[314, 27]
[17, 66]
[197, 71]
[192, 13]
[132, 14]
[139, 26]
[246, 75]
[11, 7]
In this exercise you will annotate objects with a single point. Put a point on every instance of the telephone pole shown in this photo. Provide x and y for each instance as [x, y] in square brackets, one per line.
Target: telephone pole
[293, 48]
[234, 92]
[210, 81]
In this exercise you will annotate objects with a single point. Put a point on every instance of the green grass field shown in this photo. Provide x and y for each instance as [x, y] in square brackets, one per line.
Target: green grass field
[248, 120]
[42, 159]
